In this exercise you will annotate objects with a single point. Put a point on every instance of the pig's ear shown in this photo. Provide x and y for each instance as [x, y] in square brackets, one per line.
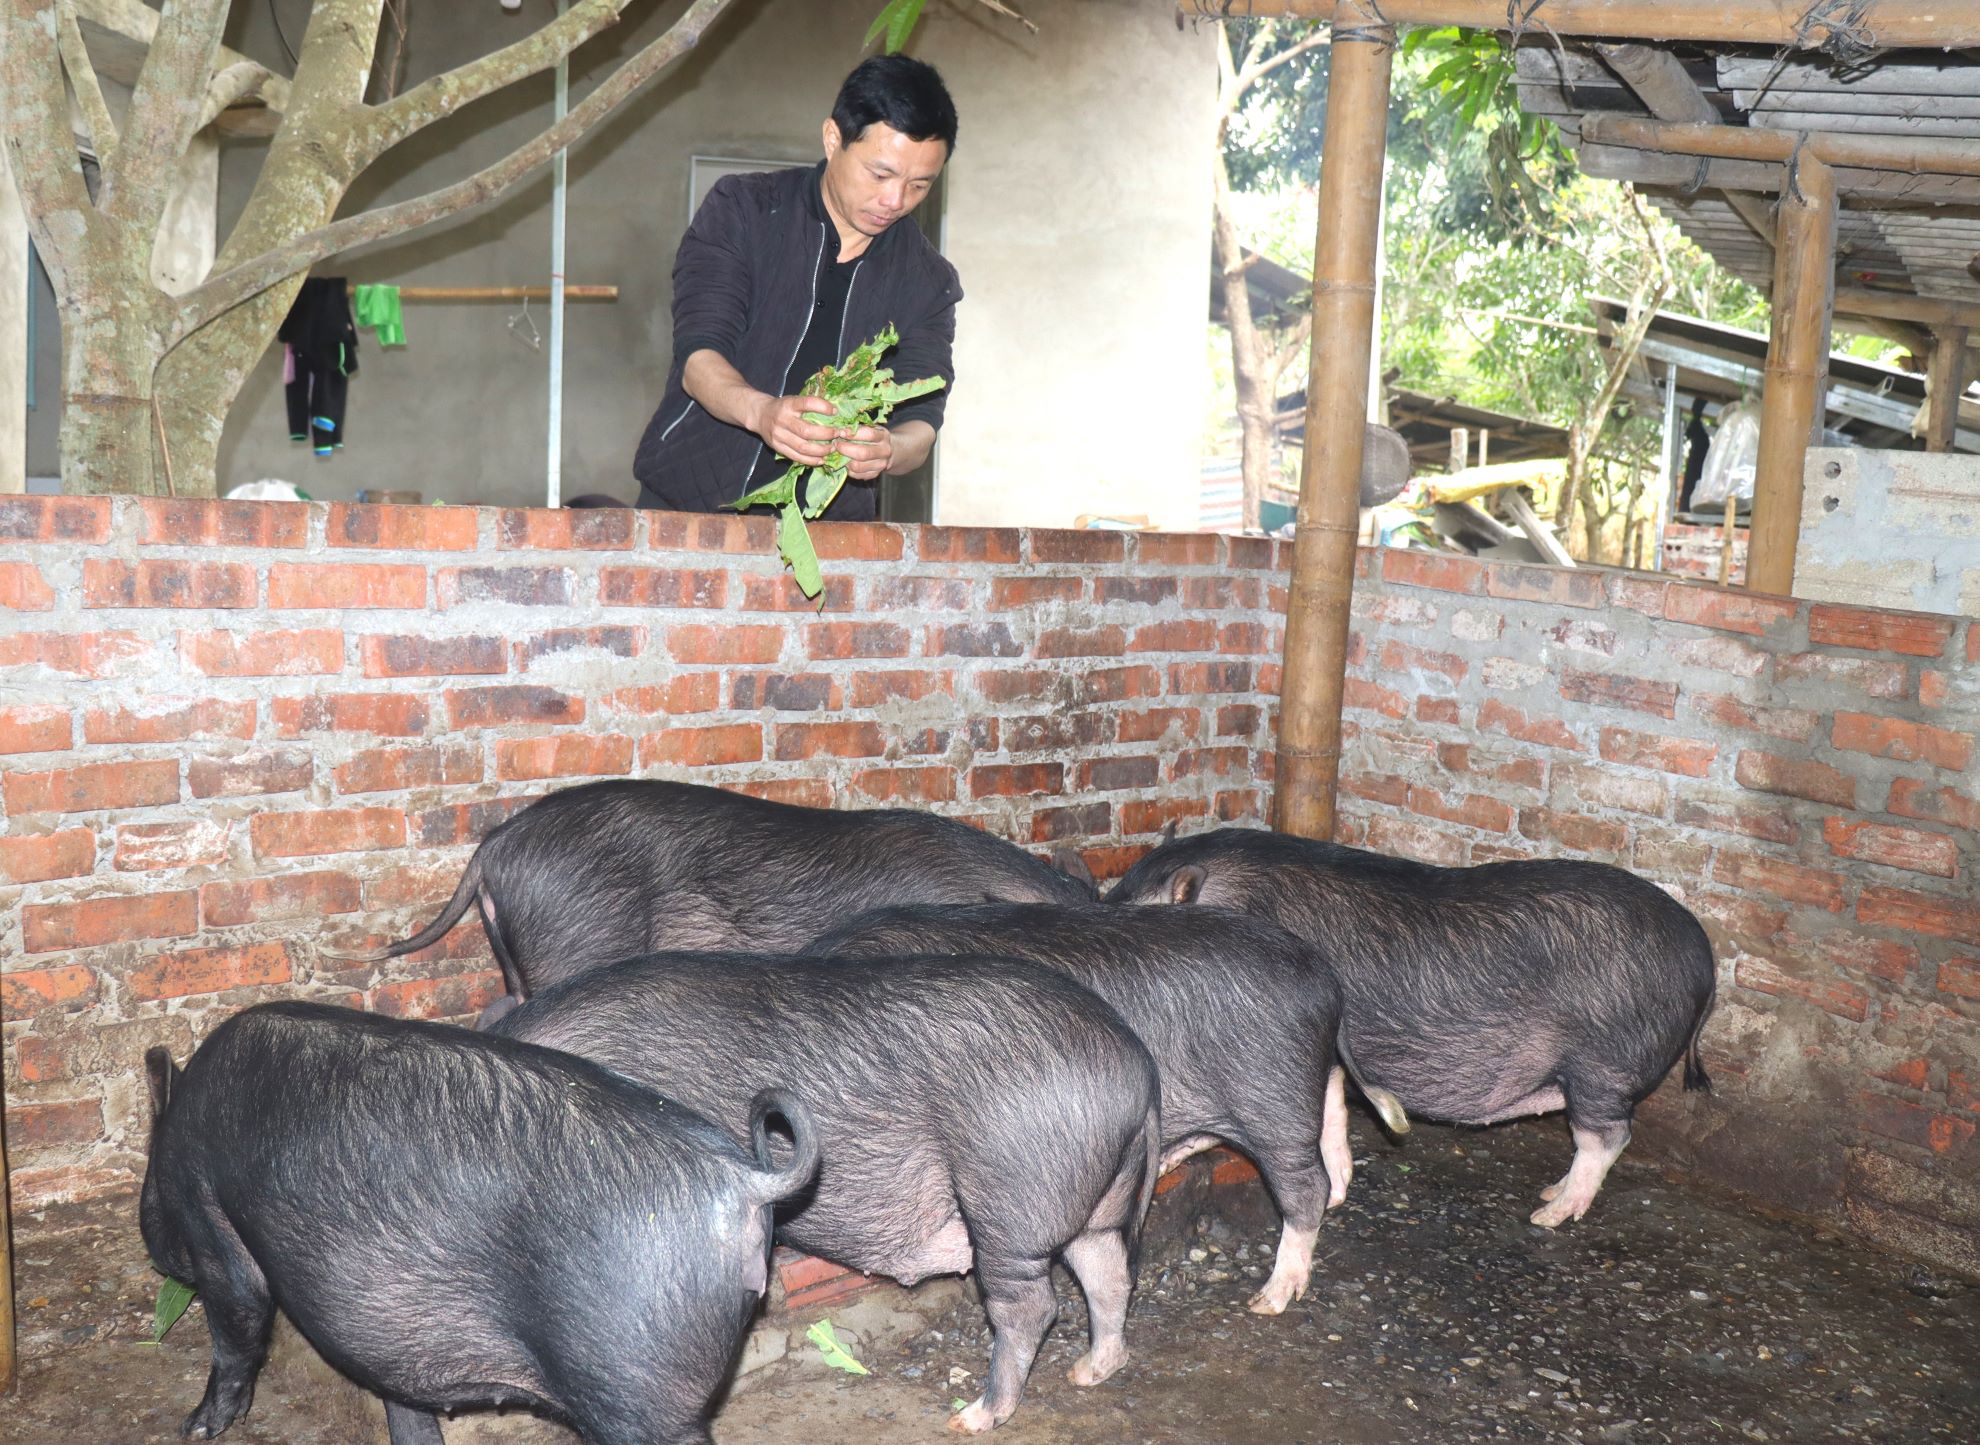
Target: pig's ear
[161, 1073]
[1186, 884]
[1169, 831]
[1069, 861]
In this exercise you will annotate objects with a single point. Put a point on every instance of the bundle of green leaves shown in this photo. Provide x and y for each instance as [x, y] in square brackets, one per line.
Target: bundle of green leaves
[862, 393]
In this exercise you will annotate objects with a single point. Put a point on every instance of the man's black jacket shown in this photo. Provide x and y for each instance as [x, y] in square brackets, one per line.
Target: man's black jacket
[743, 282]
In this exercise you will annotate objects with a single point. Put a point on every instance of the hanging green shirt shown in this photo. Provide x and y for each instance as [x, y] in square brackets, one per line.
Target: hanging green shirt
[378, 306]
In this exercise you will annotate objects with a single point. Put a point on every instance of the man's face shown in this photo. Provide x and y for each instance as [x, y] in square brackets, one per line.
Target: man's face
[880, 177]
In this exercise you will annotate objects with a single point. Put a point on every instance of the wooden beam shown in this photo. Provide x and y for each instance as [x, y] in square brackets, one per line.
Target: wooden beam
[1945, 381]
[1932, 311]
[1317, 613]
[1665, 168]
[1936, 155]
[1891, 23]
[1797, 372]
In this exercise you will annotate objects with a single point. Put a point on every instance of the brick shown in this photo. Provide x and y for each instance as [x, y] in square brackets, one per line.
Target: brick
[1600, 689]
[1870, 630]
[1248, 637]
[1177, 549]
[425, 529]
[561, 529]
[1887, 680]
[1194, 634]
[1108, 641]
[93, 786]
[506, 586]
[1011, 780]
[1153, 815]
[1119, 684]
[968, 544]
[1934, 688]
[1011, 592]
[1672, 855]
[312, 652]
[1139, 591]
[779, 593]
[856, 541]
[1403, 567]
[1437, 710]
[1415, 840]
[1930, 913]
[1210, 762]
[1882, 958]
[662, 587]
[464, 822]
[1728, 609]
[269, 900]
[1721, 654]
[23, 589]
[1753, 872]
[703, 747]
[202, 842]
[1399, 609]
[710, 532]
[1562, 586]
[703, 644]
[612, 641]
[797, 792]
[1080, 730]
[212, 970]
[1236, 805]
[1258, 552]
[1909, 848]
[563, 755]
[1515, 769]
[798, 741]
[1795, 778]
[922, 594]
[29, 991]
[1972, 642]
[974, 639]
[693, 692]
[1915, 1124]
[1912, 1074]
[1051, 545]
[1961, 977]
[204, 522]
[49, 926]
[206, 718]
[1109, 774]
[54, 519]
[392, 770]
[1238, 720]
[249, 774]
[784, 692]
[1403, 657]
[1834, 996]
[459, 996]
[471, 707]
[1648, 750]
[112, 582]
[55, 1124]
[38, 857]
[405, 656]
[1223, 594]
[876, 689]
[1473, 810]
[1913, 798]
[1372, 697]
[1774, 825]
[1195, 677]
[84, 654]
[1496, 716]
[1790, 723]
[1385, 788]
[385, 713]
[36, 728]
[1576, 832]
[1907, 742]
[1156, 723]
[840, 640]
[340, 585]
[1086, 820]
[326, 830]
[906, 785]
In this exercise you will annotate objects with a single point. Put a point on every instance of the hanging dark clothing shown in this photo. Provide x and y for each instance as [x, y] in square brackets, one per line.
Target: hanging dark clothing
[322, 342]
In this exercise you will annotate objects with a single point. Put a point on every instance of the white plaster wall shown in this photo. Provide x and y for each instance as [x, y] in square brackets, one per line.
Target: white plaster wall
[1890, 529]
[14, 360]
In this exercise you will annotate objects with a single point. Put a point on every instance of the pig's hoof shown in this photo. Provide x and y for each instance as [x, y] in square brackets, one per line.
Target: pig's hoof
[1552, 1191]
[1091, 1370]
[1277, 1294]
[1553, 1216]
[1337, 1196]
[973, 1419]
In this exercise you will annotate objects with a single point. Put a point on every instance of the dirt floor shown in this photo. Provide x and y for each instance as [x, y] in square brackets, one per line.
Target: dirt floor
[1436, 1314]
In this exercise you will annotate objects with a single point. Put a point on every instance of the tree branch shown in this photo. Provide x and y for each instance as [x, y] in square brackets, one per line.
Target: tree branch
[231, 85]
[41, 148]
[230, 288]
[1312, 41]
[82, 75]
[164, 113]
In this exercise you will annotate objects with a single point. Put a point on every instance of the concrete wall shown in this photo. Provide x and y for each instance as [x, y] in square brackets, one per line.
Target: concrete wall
[1891, 529]
[1081, 240]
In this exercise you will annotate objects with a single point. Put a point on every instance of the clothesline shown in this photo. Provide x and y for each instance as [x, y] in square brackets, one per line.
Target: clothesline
[499, 293]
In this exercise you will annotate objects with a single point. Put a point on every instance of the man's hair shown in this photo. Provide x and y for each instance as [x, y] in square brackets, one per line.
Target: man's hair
[900, 92]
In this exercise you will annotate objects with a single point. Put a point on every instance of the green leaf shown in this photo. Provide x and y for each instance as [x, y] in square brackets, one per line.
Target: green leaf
[904, 18]
[835, 1354]
[794, 543]
[771, 494]
[824, 486]
[881, 21]
[174, 1299]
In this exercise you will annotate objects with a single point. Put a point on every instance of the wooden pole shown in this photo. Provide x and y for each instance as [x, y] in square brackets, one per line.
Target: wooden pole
[1309, 751]
[1945, 380]
[1926, 154]
[1797, 371]
[1891, 23]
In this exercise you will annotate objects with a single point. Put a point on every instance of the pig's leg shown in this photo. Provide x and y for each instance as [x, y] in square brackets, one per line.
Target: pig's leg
[1017, 1295]
[407, 1426]
[1293, 1172]
[1099, 1261]
[239, 1316]
[1334, 1149]
[1595, 1149]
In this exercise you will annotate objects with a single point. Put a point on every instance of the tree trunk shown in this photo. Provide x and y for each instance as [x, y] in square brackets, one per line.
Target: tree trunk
[106, 431]
[1252, 370]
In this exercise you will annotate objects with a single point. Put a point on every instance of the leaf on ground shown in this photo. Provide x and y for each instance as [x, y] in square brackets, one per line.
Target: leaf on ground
[174, 1299]
[832, 1351]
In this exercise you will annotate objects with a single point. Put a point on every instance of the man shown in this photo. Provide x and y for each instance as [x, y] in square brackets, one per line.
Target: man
[784, 272]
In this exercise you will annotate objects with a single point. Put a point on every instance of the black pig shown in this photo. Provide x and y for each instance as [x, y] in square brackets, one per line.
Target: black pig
[1479, 994]
[1241, 1017]
[453, 1219]
[971, 1113]
[612, 870]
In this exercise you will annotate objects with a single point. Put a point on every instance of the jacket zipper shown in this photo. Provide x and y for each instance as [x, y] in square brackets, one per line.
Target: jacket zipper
[784, 387]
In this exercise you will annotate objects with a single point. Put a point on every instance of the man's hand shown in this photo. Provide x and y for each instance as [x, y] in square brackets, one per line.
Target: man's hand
[789, 427]
[869, 453]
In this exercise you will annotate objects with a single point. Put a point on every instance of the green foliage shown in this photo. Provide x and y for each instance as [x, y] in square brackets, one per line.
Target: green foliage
[174, 1299]
[834, 1354]
[862, 393]
[896, 21]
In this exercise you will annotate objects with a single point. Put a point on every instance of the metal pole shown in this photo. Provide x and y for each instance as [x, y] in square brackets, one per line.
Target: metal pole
[1945, 380]
[554, 487]
[1309, 750]
[1797, 370]
[1673, 468]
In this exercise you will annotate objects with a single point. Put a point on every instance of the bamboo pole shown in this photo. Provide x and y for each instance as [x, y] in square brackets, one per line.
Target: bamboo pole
[1887, 23]
[8, 1364]
[1797, 371]
[1945, 380]
[1315, 655]
[1913, 155]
